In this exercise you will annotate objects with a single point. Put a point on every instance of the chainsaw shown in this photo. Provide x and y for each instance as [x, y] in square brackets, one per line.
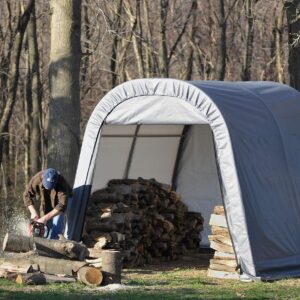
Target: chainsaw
[37, 229]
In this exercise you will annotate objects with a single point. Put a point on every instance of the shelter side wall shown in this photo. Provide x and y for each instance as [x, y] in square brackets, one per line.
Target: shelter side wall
[197, 179]
[265, 136]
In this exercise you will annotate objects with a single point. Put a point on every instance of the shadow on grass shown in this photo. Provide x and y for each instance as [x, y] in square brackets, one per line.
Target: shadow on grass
[132, 295]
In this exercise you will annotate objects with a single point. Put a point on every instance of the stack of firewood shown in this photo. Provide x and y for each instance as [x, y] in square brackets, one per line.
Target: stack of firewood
[34, 260]
[223, 264]
[143, 218]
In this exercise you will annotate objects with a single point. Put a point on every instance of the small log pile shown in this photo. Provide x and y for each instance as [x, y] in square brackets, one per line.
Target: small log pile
[144, 219]
[33, 260]
[223, 264]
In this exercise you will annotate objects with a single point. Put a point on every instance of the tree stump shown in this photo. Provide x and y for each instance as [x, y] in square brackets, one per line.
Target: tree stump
[111, 266]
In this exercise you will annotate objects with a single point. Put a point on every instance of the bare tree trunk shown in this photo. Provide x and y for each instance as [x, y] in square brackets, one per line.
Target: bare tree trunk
[115, 43]
[247, 61]
[27, 120]
[221, 41]
[163, 50]
[293, 18]
[278, 31]
[64, 106]
[134, 22]
[36, 96]
[87, 33]
[14, 72]
[190, 60]
[149, 62]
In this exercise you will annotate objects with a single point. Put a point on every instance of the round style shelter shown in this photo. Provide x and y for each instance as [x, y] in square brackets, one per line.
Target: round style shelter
[235, 143]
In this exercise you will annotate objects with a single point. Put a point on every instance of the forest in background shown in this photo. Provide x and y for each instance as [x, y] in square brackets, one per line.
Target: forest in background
[122, 40]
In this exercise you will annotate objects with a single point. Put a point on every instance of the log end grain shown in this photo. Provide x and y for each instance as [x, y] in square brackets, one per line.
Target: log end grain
[90, 276]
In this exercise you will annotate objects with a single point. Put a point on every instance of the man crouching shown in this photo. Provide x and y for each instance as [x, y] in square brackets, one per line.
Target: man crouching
[53, 191]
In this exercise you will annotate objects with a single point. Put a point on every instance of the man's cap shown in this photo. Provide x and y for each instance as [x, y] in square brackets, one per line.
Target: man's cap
[50, 178]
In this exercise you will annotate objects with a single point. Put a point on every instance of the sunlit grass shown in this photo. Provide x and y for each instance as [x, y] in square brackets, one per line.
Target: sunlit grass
[153, 283]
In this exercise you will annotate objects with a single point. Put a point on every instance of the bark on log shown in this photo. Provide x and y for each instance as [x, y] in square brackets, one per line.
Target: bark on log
[51, 248]
[40, 278]
[90, 276]
[17, 243]
[97, 262]
[48, 265]
[95, 253]
[21, 267]
[111, 266]
[3, 273]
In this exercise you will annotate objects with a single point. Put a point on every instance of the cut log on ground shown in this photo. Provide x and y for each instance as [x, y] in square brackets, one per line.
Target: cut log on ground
[90, 276]
[48, 265]
[111, 266]
[40, 278]
[21, 267]
[45, 247]
[17, 243]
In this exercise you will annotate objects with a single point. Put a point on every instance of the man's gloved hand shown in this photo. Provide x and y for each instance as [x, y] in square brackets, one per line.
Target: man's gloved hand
[42, 220]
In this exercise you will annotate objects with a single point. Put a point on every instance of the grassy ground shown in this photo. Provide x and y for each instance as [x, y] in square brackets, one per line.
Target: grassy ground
[179, 280]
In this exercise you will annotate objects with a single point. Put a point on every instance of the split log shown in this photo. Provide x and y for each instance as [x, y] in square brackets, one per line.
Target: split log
[51, 248]
[223, 255]
[219, 210]
[221, 247]
[40, 278]
[90, 276]
[218, 220]
[224, 264]
[220, 267]
[221, 239]
[227, 262]
[217, 230]
[111, 266]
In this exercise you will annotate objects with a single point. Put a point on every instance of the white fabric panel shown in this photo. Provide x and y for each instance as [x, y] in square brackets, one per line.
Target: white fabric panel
[160, 129]
[197, 178]
[155, 110]
[111, 160]
[154, 158]
[119, 130]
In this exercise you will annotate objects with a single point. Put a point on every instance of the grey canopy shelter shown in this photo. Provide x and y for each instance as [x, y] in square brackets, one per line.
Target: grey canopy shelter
[236, 143]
